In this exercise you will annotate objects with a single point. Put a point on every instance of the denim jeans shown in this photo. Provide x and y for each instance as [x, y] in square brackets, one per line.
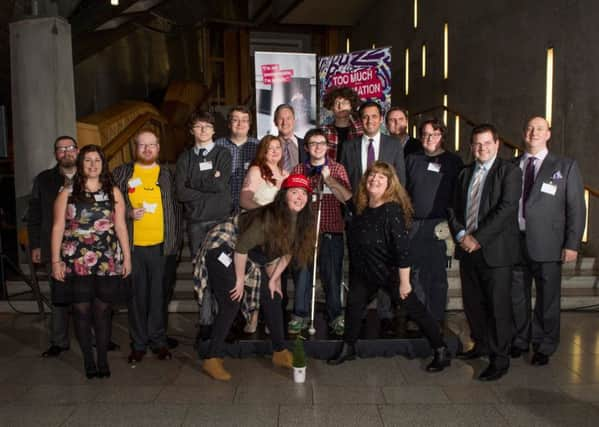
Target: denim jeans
[330, 268]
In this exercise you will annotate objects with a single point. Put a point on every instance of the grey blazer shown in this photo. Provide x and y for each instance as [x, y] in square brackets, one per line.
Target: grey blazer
[390, 151]
[555, 222]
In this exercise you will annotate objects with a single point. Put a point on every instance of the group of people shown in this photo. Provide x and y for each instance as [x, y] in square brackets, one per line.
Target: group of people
[250, 208]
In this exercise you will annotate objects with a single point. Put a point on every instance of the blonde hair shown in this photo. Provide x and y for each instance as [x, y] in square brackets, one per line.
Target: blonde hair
[395, 192]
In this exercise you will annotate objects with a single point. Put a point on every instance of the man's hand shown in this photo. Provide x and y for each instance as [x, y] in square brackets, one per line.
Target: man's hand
[36, 255]
[137, 214]
[469, 244]
[569, 255]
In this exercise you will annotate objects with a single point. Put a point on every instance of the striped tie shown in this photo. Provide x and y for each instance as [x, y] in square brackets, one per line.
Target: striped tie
[475, 192]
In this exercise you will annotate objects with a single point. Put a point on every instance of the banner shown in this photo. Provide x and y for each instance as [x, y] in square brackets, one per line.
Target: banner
[285, 78]
[368, 72]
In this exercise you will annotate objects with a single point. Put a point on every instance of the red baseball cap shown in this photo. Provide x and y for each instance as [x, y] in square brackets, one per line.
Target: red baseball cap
[297, 180]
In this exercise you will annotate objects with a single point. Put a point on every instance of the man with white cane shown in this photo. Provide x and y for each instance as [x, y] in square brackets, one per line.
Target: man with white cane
[330, 180]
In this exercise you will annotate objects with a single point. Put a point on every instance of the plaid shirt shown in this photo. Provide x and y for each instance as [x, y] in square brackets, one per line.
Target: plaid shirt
[331, 220]
[241, 157]
[226, 233]
[355, 131]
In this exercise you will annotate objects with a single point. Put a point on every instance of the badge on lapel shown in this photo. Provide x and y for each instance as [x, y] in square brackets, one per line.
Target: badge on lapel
[557, 175]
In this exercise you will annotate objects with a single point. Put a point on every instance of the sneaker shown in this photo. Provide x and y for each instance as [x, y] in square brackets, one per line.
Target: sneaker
[338, 326]
[296, 325]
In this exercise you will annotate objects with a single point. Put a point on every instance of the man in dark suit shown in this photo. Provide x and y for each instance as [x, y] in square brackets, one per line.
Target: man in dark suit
[372, 145]
[293, 146]
[551, 218]
[483, 217]
[397, 125]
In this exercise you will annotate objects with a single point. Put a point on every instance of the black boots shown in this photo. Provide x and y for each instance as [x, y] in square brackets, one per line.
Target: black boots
[441, 360]
[348, 352]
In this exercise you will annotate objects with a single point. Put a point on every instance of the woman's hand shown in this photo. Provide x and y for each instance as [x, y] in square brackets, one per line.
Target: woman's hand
[274, 285]
[237, 292]
[126, 267]
[404, 289]
[58, 271]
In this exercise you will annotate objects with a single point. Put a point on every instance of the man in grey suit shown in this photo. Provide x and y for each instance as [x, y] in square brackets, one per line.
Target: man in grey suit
[356, 156]
[372, 145]
[551, 217]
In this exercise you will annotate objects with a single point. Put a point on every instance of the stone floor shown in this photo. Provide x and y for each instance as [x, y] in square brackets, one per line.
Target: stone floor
[393, 391]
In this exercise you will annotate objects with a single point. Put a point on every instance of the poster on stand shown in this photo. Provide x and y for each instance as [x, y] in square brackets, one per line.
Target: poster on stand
[285, 78]
[368, 72]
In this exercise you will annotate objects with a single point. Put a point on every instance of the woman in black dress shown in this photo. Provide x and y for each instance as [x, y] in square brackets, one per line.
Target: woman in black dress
[380, 258]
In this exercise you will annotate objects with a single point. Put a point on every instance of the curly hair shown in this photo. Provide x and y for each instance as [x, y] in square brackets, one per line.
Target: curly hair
[260, 159]
[395, 192]
[341, 92]
[79, 180]
[276, 216]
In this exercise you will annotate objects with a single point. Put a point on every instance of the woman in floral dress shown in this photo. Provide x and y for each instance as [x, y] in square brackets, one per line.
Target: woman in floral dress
[90, 254]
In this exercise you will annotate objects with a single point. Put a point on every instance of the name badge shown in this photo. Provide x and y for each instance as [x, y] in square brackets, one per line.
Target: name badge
[549, 188]
[150, 207]
[434, 167]
[225, 259]
[246, 165]
[326, 190]
[206, 166]
[134, 183]
[100, 197]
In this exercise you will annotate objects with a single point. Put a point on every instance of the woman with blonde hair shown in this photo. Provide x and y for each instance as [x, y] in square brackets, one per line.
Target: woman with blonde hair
[380, 258]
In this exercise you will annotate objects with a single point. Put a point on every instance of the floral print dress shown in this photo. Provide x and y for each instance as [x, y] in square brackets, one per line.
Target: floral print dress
[90, 245]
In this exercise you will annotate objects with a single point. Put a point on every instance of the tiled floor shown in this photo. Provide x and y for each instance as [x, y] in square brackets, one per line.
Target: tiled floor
[383, 391]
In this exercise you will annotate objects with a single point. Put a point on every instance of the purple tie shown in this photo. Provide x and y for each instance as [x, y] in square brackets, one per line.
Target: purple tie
[370, 155]
[529, 179]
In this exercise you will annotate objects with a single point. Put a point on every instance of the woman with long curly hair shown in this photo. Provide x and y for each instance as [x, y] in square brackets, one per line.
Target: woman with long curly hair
[242, 259]
[90, 254]
[380, 258]
[265, 174]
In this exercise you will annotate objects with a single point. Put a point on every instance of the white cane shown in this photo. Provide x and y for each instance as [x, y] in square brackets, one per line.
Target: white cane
[318, 192]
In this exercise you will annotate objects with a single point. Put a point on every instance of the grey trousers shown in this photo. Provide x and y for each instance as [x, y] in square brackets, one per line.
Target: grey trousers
[59, 318]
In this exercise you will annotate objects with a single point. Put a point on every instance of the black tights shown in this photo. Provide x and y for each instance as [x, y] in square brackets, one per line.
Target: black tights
[85, 315]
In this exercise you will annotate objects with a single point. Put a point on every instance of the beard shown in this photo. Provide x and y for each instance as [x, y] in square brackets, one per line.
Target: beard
[147, 161]
[67, 163]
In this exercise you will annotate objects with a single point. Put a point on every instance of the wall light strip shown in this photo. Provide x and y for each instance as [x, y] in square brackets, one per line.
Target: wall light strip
[445, 50]
[444, 110]
[347, 45]
[415, 13]
[549, 87]
[407, 65]
[456, 142]
[585, 234]
[423, 59]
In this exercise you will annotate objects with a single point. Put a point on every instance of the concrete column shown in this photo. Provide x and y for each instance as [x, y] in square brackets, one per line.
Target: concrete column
[43, 96]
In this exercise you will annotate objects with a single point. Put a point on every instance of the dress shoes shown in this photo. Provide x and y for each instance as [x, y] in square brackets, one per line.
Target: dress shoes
[441, 360]
[172, 343]
[54, 351]
[104, 372]
[387, 328]
[492, 373]
[136, 356]
[162, 353]
[348, 352]
[539, 359]
[473, 353]
[516, 352]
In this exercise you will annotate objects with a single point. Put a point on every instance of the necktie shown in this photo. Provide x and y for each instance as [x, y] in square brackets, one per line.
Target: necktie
[291, 154]
[475, 192]
[529, 179]
[370, 154]
[203, 153]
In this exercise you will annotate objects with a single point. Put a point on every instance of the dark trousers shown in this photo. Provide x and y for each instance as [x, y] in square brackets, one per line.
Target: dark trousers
[170, 280]
[59, 318]
[146, 307]
[361, 292]
[196, 233]
[221, 280]
[543, 329]
[487, 304]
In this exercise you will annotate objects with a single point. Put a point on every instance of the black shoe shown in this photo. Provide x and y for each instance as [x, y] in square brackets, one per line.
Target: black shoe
[104, 372]
[136, 356]
[112, 346]
[474, 353]
[539, 359]
[492, 373]
[348, 352]
[90, 368]
[162, 353]
[54, 351]
[387, 328]
[441, 360]
[171, 343]
[516, 352]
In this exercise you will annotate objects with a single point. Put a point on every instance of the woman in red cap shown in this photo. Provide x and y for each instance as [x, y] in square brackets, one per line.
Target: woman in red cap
[241, 261]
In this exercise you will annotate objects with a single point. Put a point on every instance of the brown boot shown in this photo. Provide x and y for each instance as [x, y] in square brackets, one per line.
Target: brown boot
[283, 358]
[214, 367]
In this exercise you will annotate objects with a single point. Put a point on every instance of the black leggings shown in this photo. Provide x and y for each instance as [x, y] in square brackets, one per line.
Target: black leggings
[362, 290]
[222, 280]
[98, 314]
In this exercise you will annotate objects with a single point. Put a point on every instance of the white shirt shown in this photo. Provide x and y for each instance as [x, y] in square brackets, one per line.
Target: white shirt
[540, 156]
[364, 148]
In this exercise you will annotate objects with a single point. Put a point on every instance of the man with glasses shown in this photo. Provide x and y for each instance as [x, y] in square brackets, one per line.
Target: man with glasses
[154, 225]
[343, 102]
[483, 217]
[242, 148]
[397, 125]
[40, 217]
[202, 180]
[431, 176]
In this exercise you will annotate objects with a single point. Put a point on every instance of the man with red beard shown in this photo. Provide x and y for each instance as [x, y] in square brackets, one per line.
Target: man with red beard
[154, 224]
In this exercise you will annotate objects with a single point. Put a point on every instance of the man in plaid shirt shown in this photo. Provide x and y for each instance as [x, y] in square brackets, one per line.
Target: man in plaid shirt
[342, 101]
[330, 177]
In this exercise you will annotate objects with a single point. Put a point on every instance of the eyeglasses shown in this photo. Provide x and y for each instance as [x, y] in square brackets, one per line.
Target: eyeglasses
[483, 144]
[315, 143]
[203, 128]
[434, 135]
[342, 103]
[236, 121]
[68, 149]
[144, 146]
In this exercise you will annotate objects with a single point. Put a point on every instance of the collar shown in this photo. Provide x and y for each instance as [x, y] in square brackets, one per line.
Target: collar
[208, 148]
[376, 137]
[486, 165]
[315, 170]
[539, 156]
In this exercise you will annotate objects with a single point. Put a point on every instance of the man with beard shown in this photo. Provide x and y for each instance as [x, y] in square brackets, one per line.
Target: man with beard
[397, 125]
[153, 221]
[46, 187]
